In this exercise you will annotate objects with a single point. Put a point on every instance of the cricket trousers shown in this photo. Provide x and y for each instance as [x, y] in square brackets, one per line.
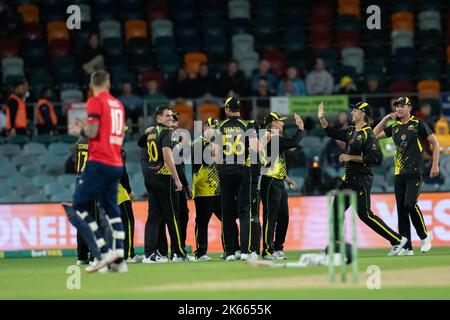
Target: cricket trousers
[163, 202]
[255, 220]
[275, 214]
[82, 248]
[407, 190]
[205, 207]
[183, 216]
[364, 212]
[127, 216]
[99, 182]
[235, 189]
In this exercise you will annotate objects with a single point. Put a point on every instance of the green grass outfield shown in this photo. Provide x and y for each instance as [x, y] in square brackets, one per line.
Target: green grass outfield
[423, 276]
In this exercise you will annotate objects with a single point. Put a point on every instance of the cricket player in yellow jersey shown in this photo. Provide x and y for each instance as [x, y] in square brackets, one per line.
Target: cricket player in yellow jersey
[273, 192]
[206, 189]
[409, 135]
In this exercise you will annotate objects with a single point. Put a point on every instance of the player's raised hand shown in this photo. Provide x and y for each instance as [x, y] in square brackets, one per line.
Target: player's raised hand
[148, 130]
[321, 110]
[75, 127]
[299, 122]
[393, 115]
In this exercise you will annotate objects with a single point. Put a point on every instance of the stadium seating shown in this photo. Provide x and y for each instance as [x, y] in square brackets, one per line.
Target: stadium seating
[248, 62]
[193, 60]
[135, 29]
[57, 30]
[186, 115]
[29, 12]
[144, 40]
[110, 29]
[209, 110]
[429, 89]
[353, 57]
[161, 28]
[430, 20]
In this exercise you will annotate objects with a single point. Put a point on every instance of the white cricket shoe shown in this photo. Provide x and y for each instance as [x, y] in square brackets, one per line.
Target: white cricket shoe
[279, 255]
[244, 257]
[406, 252]
[120, 267]
[425, 244]
[155, 258]
[204, 258]
[268, 257]
[81, 262]
[253, 256]
[237, 255]
[231, 257]
[107, 259]
[396, 248]
[185, 258]
[135, 259]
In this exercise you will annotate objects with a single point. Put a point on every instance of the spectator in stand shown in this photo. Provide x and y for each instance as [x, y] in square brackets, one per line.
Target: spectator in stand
[131, 102]
[154, 97]
[287, 88]
[342, 121]
[292, 85]
[92, 56]
[185, 85]
[346, 86]
[206, 83]
[46, 119]
[334, 148]
[178, 87]
[233, 81]
[16, 112]
[424, 114]
[263, 100]
[380, 105]
[263, 72]
[319, 81]
[11, 21]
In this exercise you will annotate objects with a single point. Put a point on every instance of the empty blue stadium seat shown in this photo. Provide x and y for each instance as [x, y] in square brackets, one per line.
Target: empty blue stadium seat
[59, 148]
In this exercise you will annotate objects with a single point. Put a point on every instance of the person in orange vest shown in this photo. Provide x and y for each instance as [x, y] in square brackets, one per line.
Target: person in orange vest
[46, 119]
[16, 111]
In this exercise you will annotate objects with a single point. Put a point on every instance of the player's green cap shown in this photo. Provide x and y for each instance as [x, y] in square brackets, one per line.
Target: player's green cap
[269, 118]
[233, 103]
[364, 107]
[404, 101]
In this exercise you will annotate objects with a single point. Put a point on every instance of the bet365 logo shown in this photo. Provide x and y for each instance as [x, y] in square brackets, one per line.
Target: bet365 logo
[74, 20]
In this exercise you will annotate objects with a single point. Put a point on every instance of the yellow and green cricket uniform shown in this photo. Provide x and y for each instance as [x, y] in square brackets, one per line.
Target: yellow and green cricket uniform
[409, 139]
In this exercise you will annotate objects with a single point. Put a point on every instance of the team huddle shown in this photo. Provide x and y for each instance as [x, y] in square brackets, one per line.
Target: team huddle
[236, 171]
